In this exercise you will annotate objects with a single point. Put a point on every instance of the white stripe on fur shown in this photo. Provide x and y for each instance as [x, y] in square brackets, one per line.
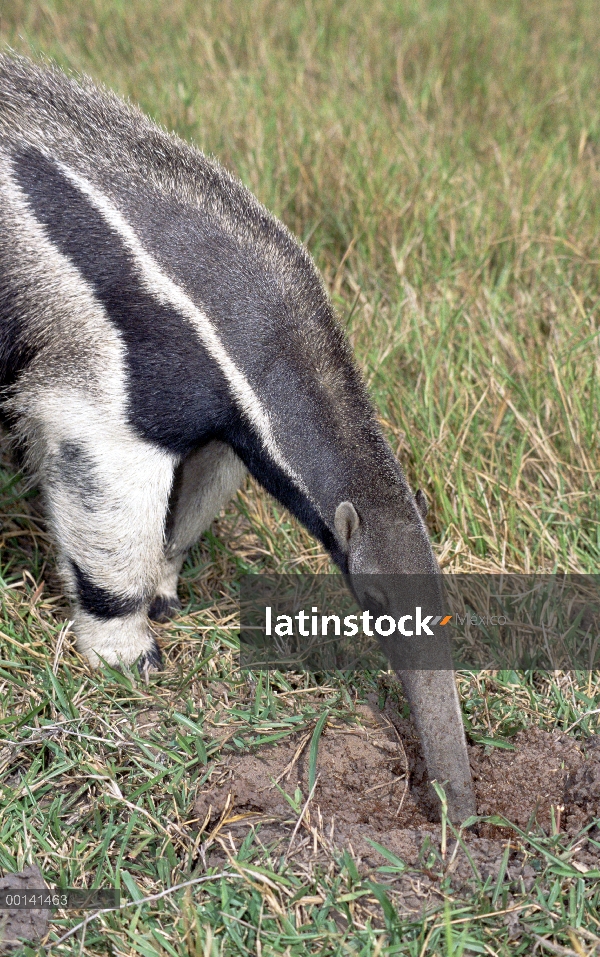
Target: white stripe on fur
[168, 292]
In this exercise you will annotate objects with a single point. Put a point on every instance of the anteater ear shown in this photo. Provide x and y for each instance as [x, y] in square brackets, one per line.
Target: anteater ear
[346, 522]
[421, 503]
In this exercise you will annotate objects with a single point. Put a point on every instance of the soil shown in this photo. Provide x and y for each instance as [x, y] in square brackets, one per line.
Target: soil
[18, 925]
[371, 787]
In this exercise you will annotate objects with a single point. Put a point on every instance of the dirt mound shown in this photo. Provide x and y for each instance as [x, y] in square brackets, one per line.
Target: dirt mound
[546, 774]
[362, 778]
[375, 774]
[371, 787]
[582, 791]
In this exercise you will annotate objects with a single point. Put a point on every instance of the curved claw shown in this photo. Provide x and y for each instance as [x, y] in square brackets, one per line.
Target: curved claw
[151, 660]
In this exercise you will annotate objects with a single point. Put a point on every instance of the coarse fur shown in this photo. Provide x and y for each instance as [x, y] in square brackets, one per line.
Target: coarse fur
[160, 333]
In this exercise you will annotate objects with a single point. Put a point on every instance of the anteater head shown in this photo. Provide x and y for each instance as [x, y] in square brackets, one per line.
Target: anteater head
[382, 543]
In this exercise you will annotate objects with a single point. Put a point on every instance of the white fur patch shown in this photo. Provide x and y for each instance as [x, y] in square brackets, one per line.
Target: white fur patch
[118, 539]
[119, 641]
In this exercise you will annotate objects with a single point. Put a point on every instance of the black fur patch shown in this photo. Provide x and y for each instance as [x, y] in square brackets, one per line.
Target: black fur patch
[162, 609]
[75, 469]
[99, 602]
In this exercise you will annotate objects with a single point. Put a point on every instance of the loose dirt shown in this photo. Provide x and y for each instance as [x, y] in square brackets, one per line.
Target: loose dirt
[371, 788]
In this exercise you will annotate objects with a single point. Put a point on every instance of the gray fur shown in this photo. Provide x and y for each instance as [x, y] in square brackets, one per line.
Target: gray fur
[160, 333]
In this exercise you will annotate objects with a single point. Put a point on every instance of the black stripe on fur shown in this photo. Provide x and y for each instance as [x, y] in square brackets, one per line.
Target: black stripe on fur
[99, 602]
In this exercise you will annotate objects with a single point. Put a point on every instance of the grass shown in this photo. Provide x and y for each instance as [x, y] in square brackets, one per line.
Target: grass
[442, 162]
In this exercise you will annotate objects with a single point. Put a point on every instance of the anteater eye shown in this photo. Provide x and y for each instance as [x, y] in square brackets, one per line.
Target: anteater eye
[376, 602]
